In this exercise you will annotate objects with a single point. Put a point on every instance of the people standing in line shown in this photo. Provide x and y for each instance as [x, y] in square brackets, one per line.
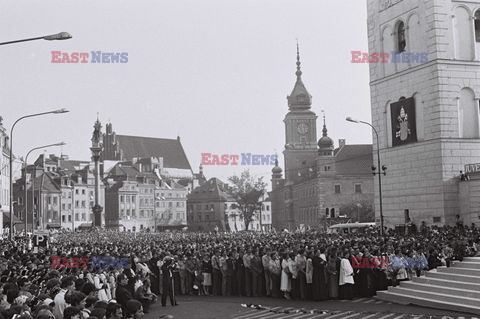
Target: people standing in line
[256, 268]
[266, 270]
[286, 281]
[247, 263]
[275, 269]
[346, 277]
[168, 281]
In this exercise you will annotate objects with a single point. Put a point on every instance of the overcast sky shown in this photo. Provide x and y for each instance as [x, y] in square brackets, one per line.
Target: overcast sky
[215, 72]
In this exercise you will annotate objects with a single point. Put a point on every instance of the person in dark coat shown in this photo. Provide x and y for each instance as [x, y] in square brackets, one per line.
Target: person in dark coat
[123, 293]
[319, 281]
[168, 284]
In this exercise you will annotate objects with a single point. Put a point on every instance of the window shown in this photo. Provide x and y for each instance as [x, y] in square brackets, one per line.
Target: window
[332, 213]
[69, 206]
[206, 206]
[84, 217]
[477, 26]
[337, 189]
[76, 217]
[327, 168]
[142, 213]
[63, 206]
[83, 204]
[178, 204]
[358, 188]
[437, 219]
[83, 192]
[268, 208]
[327, 212]
[170, 204]
[401, 40]
[468, 114]
[69, 195]
[70, 218]
[77, 192]
[49, 200]
[77, 204]
[63, 218]
[54, 200]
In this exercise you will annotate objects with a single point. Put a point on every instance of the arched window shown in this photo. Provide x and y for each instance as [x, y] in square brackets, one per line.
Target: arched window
[468, 114]
[401, 39]
[477, 26]
[463, 34]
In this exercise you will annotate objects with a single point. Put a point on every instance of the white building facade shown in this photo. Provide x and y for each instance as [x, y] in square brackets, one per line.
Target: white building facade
[426, 111]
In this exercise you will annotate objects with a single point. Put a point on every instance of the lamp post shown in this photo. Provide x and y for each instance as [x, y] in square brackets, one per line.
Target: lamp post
[59, 111]
[379, 170]
[25, 183]
[58, 36]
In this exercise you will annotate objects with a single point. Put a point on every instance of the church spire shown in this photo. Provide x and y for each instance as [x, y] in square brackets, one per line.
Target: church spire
[299, 72]
[299, 99]
[324, 131]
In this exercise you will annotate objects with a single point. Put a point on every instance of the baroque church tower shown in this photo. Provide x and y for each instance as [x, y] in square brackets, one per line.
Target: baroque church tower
[300, 131]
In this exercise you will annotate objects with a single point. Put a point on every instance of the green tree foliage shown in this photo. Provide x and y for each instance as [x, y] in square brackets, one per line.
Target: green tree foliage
[247, 190]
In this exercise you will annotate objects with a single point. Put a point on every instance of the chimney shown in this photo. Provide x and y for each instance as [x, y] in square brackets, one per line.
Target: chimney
[341, 142]
[178, 138]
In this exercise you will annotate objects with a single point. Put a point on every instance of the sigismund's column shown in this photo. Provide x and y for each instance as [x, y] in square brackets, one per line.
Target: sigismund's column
[96, 149]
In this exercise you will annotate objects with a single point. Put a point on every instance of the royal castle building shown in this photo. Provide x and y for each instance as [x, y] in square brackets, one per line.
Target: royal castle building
[319, 178]
[427, 112]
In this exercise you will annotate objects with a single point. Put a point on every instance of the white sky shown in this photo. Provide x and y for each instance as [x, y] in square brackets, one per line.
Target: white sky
[215, 72]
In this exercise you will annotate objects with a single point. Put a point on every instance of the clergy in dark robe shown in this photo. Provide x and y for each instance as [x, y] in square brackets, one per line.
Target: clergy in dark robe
[319, 281]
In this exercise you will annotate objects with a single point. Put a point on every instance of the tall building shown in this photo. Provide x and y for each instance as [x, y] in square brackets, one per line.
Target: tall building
[4, 174]
[139, 198]
[426, 111]
[125, 148]
[319, 179]
[60, 193]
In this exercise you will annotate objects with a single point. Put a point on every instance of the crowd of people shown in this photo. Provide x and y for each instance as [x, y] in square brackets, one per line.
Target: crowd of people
[306, 265]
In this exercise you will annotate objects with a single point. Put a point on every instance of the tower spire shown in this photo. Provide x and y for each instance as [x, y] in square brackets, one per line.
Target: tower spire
[299, 72]
[324, 131]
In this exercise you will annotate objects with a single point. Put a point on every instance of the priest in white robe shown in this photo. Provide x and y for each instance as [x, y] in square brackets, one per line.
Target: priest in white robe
[346, 278]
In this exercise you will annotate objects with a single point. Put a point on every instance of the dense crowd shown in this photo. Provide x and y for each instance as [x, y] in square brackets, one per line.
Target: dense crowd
[305, 265]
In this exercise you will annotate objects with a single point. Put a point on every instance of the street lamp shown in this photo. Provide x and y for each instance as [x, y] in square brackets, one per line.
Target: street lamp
[25, 183]
[58, 36]
[376, 170]
[59, 111]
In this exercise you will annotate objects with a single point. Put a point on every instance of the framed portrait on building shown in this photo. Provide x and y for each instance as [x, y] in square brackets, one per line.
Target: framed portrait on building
[404, 126]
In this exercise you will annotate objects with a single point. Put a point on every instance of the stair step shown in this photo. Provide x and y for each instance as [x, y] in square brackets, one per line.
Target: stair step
[441, 289]
[465, 264]
[474, 259]
[454, 277]
[460, 271]
[426, 302]
[436, 296]
[446, 283]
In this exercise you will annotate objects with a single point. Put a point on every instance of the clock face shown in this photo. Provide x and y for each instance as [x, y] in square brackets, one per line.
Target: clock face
[302, 128]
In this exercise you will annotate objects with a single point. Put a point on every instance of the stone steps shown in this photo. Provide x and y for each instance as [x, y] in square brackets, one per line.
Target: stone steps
[400, 298]
[456, 288]
[460, 271]
[442, 289]
[447, 283]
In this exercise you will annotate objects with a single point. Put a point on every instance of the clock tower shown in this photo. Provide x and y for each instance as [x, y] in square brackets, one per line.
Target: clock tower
[300, 131]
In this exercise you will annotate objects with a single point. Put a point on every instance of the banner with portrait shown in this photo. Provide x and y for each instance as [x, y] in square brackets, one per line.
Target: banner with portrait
[404, 126]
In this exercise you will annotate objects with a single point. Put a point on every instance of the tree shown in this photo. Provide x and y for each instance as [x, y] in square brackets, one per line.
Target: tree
[247, 190]
[358, 211]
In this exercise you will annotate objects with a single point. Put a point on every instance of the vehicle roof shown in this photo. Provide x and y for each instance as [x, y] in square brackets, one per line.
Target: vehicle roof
[352, 225]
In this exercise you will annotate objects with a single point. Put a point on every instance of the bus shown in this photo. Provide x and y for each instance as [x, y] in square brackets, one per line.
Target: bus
[349, 228]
